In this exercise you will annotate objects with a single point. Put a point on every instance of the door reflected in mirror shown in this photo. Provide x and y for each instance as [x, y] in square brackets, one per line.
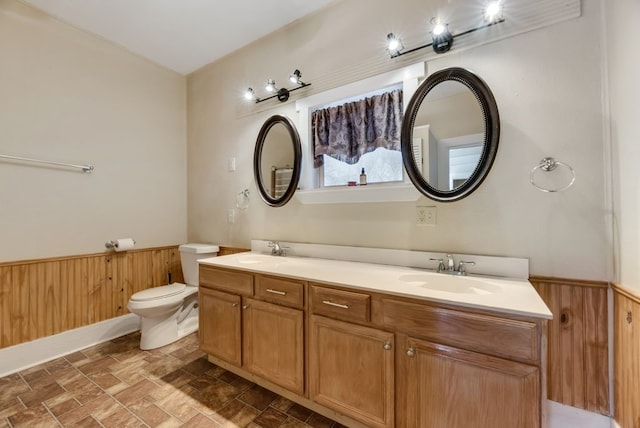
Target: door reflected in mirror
[450, 134]
[276, 160]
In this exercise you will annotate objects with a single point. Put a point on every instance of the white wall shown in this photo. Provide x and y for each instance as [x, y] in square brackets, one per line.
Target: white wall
[68, 96]
[624, 69]
[548, 86]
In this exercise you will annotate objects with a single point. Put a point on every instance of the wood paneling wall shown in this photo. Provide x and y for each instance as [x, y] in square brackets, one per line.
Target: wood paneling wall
[626, 356]
[39, 298]
[578, 361]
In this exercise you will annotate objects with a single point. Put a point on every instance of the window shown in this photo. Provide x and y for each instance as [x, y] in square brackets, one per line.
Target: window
[359, 133]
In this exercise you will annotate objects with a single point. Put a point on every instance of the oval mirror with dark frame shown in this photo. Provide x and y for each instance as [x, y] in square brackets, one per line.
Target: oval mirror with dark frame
[277, 160]
[450, 134]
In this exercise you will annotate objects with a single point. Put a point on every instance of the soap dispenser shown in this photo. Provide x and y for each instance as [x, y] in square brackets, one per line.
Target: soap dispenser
[363, 177]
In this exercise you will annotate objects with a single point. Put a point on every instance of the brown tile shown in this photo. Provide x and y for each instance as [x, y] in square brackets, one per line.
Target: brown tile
[228, 377]
[34, 398]
[64, 407]
[151, 414]
[88, 422]
[258, 397]
[200, 421]
[105, 380]
[228, 412]
[299, 412]
[55, 366]
[135, 393]
[76, 357]
[216, 396]
[270, 418]
[96, 366]
[11, 408]
[180, 403]
[122, 418]
[282, 404]
[203, 381]
[293, 423]
[318, 421]
[243, 384]
[198, 367]
[32, 417]
[92, 408]
[242, 418]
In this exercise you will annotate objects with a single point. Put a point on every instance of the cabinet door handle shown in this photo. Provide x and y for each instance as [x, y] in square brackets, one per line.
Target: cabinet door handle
[411, 352]
[337, 305]
[387, 346]
[245, 306]
[235, 305]
[279, 293]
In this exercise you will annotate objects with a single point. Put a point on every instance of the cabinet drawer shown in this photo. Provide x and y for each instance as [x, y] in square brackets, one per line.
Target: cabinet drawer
[482, 333]
[346, 305]
[280, 290]
[235, 282]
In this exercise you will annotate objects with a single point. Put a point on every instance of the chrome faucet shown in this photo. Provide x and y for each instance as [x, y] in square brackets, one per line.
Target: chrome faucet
[277, 249]
[450, 267]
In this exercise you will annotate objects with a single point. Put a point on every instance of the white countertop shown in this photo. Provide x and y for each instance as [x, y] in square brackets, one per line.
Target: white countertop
[509, 296]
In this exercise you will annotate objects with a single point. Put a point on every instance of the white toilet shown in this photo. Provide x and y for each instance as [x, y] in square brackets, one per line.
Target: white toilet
[170, 312]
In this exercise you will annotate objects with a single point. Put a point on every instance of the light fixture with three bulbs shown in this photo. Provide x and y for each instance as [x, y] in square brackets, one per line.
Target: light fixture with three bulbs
[281, 93]
[441, 37]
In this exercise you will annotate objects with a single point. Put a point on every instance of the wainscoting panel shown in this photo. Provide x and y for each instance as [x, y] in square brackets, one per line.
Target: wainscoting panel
[626, 356]
[578, 361]
[39, 298]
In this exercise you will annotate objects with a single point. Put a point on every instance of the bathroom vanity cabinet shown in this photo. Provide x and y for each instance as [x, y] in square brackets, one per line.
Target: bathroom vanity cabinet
[374, 359]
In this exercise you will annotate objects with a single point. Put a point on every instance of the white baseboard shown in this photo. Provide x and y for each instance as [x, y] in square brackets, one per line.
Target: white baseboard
[25, 355]
[561, 416]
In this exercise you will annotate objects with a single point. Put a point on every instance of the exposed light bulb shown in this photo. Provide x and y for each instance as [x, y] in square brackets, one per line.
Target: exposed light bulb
[271, 85]
[438, 29]
[249, 94]
[295, 77]
[394, 45]
[493, 11]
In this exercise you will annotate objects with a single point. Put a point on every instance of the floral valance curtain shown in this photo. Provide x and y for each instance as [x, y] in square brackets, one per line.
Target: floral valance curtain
[348, 131]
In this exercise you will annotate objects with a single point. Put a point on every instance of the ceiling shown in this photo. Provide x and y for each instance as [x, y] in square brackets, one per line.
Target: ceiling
[182, 35]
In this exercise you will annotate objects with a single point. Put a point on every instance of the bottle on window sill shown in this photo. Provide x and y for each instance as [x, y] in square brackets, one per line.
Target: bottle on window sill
[363, 177]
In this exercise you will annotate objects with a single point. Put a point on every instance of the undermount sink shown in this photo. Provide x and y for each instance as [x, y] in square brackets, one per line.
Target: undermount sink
[452, 284]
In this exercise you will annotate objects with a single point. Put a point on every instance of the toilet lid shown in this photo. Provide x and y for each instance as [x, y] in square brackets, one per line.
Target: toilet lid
[159, 292]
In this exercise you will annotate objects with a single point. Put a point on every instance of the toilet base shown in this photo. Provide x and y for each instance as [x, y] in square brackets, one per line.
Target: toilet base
[161, 331]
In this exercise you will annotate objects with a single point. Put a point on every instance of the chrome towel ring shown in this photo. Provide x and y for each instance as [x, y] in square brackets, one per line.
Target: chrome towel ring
[549, 164]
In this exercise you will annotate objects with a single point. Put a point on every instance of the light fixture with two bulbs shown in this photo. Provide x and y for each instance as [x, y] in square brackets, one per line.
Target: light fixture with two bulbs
[441, 37]
[282, 94]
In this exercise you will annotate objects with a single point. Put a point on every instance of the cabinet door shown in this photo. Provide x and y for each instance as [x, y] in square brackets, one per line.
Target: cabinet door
[453, 388]
[273, 343]
[219, 322]
[351, 370]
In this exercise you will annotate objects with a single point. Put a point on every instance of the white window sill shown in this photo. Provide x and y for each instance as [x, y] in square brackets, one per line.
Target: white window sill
[402, 192]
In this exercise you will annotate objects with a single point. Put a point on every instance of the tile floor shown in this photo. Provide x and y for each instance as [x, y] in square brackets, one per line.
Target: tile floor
[115, 384]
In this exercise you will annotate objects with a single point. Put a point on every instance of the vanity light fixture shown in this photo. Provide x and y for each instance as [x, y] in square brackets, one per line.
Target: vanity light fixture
[441, 37]
[282, 94]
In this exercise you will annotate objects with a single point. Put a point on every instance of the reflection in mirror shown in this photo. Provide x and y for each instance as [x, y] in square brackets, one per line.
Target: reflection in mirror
[277, 159]
[450, 134]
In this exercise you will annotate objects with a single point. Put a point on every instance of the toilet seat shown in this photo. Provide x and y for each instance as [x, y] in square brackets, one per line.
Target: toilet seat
[161, 292]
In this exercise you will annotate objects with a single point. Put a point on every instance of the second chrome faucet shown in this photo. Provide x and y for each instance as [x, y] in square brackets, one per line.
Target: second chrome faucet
[450, 267]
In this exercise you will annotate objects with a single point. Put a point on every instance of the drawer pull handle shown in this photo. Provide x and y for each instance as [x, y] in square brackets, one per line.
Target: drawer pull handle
[337, 305]
[234, 305]
[245, 306]
[387, 346]
[411, 352]
[279, 293]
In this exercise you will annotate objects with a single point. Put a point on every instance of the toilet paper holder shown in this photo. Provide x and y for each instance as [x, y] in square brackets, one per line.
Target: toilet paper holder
[113, 244]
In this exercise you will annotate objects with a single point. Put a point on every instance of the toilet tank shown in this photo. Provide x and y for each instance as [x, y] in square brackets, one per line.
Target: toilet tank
[189, 256]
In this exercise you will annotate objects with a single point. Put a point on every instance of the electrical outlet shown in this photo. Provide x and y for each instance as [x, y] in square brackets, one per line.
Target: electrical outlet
[231, 216]
[426, 215]
[231, 164]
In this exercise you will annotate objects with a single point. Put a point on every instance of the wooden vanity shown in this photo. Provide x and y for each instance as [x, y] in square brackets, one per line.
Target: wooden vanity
[371, 358]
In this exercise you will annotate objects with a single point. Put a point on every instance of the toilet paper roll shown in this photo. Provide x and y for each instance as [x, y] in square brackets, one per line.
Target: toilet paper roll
[124, 244]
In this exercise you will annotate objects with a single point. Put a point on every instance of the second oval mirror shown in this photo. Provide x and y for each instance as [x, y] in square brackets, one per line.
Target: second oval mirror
[450, 134]
[276, 160]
